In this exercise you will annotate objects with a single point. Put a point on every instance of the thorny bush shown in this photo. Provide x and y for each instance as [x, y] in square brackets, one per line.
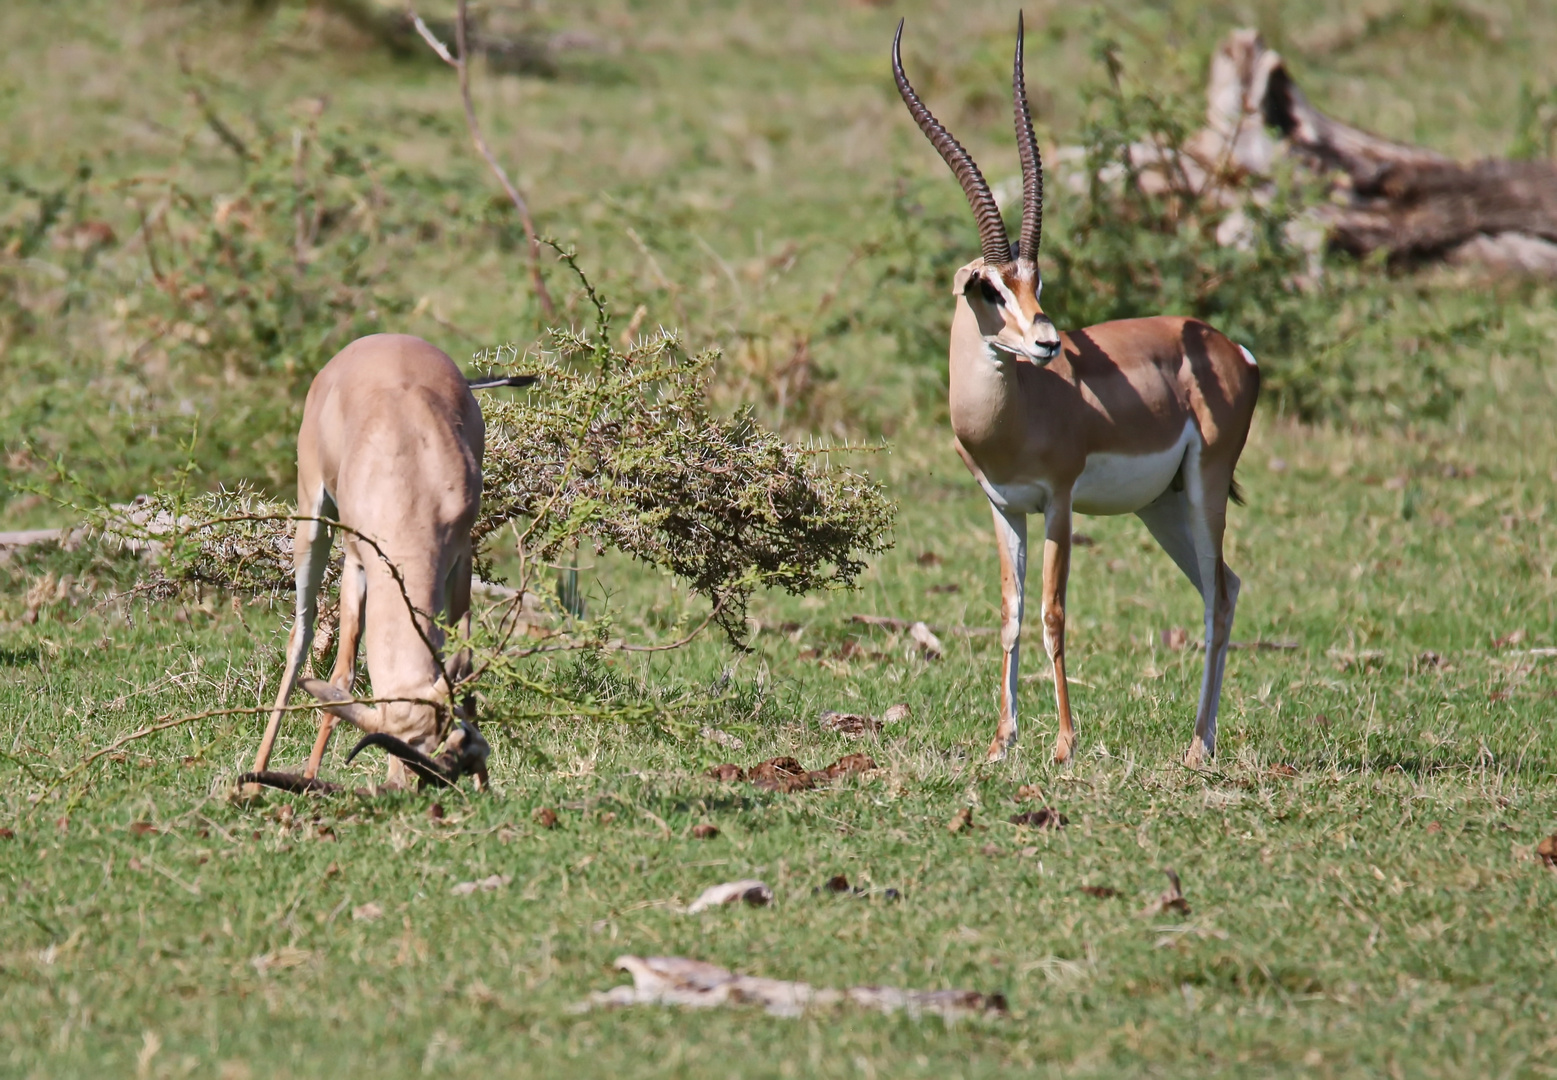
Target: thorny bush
[620, 447]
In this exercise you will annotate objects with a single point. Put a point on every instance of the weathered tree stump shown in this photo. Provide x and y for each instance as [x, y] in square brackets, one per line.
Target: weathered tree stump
[1413, 203]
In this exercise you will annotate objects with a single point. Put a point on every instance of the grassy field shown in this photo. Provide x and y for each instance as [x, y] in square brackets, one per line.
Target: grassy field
[1364, 898]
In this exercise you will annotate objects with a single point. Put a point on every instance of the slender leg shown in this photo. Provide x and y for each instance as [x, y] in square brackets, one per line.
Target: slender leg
[1056, 572]
[311, 553]
[344, 674]
[459, 666]
[1167, 520]
[1011, 543]
[1208, 492]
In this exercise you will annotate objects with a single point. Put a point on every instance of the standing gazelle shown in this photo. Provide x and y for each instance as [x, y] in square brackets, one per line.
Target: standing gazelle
[1143, 416]
[390, 447]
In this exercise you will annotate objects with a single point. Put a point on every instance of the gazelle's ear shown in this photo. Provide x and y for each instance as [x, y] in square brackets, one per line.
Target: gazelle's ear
[337, 701]
[960, 282]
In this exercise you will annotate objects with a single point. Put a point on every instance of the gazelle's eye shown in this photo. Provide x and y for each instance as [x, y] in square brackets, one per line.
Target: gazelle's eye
[990, 293]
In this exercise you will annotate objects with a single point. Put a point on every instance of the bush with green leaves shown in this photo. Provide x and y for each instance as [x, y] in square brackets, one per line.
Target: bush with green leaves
[618, 447]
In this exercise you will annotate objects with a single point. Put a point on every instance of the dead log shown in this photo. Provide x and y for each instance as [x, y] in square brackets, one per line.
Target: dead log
[1409, 201]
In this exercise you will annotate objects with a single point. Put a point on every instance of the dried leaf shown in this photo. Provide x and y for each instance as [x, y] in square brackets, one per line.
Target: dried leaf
[774, 768]
[838, 883]
[372, 911]
[752, 891]
[288, 956]
[705, 831]
[143, 828]
[1434, 828]
[7, 834]
[727, 773]
[850, 764]
[1029, 792]
[1175, 638]
[435, 811]
[1172, 899]
[962, 819]
[896, 714]
[1547, 850]
[928, 559]
[929, 645]
[1044, 818]
[488, 884]
[1282, 770]
[545, 817]
[1512, 638]
[783, 774]
[1102, 892]
[722, 738]
[849, 725]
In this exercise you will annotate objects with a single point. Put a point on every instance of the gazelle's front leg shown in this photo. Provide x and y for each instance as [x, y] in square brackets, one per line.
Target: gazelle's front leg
[348, 638]
[1011, 543]
[1056, 571]
[311, 552]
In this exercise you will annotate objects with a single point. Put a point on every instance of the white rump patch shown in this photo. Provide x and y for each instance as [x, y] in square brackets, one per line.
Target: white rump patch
[1248, 357]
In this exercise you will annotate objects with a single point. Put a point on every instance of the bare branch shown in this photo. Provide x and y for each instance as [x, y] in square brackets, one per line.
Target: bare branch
[432, 40]
[460, 61]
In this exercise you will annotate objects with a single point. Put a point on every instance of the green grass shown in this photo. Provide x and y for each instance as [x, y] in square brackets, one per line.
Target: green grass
[1377, 912]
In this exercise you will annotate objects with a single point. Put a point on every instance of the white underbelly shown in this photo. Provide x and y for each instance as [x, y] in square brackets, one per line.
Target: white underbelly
[1123, 483]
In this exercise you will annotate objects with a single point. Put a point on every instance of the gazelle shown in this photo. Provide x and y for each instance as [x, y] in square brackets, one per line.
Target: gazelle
[1143, 416]
[390, 447]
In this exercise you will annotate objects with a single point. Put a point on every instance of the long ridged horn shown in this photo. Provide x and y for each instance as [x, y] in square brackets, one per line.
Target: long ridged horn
[424, 767]
[992, 230]
[1032, 161]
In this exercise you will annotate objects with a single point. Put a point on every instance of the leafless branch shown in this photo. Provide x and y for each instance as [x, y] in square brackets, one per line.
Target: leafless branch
[460, 61]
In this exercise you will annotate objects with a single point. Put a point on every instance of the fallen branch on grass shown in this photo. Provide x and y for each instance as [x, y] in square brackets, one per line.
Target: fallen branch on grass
[675, 980]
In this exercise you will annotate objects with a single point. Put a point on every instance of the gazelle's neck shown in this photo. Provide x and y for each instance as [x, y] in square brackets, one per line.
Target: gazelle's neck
[983, 394]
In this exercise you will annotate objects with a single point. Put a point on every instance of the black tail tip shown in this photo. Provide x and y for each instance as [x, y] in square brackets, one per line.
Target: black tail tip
[501, 380]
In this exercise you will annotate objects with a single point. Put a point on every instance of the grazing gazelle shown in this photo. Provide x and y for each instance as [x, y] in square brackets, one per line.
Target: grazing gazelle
[1143, 416]
[390, 447]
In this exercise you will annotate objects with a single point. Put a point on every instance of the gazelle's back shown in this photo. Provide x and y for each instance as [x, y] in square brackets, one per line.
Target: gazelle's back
[383, 421]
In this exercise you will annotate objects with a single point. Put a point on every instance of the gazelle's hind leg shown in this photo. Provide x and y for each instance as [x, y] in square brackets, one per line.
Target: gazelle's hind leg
[1189, 525]
[344, 674]
[310, 555]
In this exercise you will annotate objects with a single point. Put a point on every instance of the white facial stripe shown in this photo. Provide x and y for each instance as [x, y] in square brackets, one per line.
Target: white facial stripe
[1010, 297]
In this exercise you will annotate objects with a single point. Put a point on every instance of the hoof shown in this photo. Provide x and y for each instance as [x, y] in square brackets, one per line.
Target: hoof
[997, 752]
[1064, 750]
[1197, 755]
